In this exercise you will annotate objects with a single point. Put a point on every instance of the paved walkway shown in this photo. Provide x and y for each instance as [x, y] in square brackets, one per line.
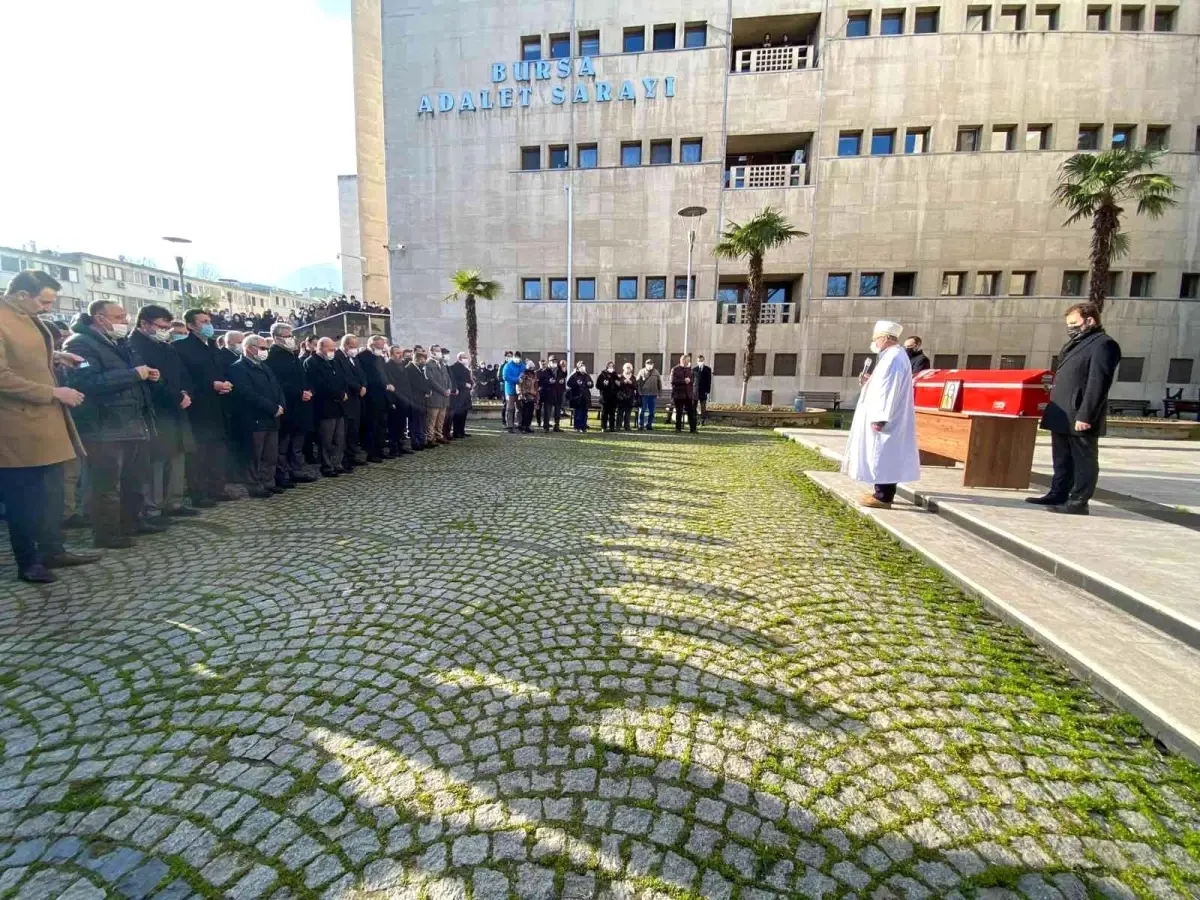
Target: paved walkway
[652, 666]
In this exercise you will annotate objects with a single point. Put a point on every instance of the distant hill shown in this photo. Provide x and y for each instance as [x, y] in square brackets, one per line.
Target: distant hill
[326, 275]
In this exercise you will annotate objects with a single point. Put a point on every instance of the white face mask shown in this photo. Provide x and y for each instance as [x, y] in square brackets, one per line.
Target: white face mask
[379, 351]
[288, 343]
[352, 352]
[120, 329]
[162, 335]
[329, 354]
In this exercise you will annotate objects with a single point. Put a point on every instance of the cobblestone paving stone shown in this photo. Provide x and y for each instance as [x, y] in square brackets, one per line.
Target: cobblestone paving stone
[535, 667]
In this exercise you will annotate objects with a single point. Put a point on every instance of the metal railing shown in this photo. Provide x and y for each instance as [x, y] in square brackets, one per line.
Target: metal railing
[778, 175]
[358, 323]
[769, 314]
[775, 59]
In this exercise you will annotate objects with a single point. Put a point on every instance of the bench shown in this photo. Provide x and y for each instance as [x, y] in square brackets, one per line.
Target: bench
[1174, 404]
[822, 399]
[1128, 407]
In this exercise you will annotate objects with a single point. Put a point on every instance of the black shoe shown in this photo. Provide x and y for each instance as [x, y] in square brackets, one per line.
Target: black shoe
[181, 512]
[284, 486]
[67, 560]
[37, 574]
[328, 473]
[374, 459]
[113, 543]
[274, 489]
[261, 493]
[75, 521]
[152, 526]
[1071, 509]
[1046, 500]
[225, 498]
[302, 479]
[203, 503]
[557, 430]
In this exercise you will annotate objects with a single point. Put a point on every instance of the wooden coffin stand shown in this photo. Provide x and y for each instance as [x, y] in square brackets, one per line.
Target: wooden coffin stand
[985, 419]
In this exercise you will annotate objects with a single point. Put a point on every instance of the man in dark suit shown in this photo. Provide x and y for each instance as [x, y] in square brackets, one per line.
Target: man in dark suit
[297, 419]
[1077, 411]
[399, 404]
[418, 392]
[916, 356]
[464, 383]
[257, 408]
[375, 401]
[356, 389]
[206, 467]
[702, 387]
[329, 399]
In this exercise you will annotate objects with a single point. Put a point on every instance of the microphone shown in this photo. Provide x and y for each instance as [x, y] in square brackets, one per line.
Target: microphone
[866, 366]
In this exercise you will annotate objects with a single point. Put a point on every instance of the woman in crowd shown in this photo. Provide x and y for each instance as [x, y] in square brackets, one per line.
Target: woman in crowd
[606, 384]
[527, 395]
[627, 392]
[579, 394]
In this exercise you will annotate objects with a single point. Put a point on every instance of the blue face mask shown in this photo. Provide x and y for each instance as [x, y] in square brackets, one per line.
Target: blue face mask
[207, 330]
[178, 337]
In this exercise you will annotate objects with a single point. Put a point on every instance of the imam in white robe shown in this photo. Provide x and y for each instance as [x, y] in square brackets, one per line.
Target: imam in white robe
[889, 456]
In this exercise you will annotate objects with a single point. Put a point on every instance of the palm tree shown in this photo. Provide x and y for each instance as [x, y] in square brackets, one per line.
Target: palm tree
[1095, 185]
[469, 284]
[766, 231]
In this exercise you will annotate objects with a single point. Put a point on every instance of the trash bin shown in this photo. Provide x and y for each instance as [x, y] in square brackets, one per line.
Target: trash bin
[798, 404]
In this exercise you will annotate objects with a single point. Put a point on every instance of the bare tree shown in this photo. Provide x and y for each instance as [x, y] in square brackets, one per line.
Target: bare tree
[206, 271]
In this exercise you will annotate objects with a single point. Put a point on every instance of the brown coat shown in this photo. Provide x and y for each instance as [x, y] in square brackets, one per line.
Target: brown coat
[35, 429]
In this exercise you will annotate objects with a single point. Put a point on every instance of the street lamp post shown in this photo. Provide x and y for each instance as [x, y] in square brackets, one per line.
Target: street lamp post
[689, 212]
[179, 265]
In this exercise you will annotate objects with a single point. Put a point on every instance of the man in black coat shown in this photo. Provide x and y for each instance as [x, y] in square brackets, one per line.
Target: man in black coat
[418, 391]
[702, 375]
[115, 421]
[297, 419]
[330, 393]
[399, 403]
[916, 356]
[356, 390]
[460, 402]
[257, 408]
[375, 401]
[1076, 415]
[170, 395]
[207, 466]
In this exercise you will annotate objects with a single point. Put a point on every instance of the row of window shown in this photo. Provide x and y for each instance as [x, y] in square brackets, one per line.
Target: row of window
[629, 287]
[1131, 370]
[62, 274]
[970, 138]
[633, 40]
[587, 156]
[859, 23]
[995, 283]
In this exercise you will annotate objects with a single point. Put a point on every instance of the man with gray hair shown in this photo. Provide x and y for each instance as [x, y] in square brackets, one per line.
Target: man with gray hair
[258, 404]
[439, 397]
[297, 421]
[356, 390]
[329, 399]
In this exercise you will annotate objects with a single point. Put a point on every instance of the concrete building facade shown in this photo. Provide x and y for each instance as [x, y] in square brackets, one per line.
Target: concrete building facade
[349, 231]
[551, 145]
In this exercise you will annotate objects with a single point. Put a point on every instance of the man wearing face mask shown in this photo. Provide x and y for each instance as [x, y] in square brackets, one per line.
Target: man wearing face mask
[206, 468]
[439, 397]
[257, 408]
[398, 399]
[1076, 415]
[882, 449]
[579, 393]
[500, 389]
[375, 401]
[606, 384]
[356, 389]
[702, 374]
[916, 356]
[297, 420]
[464, 383]
[418, 393]
[549, 398]
[527, 396]
[163, 486]
[330, 393]
[115, 422]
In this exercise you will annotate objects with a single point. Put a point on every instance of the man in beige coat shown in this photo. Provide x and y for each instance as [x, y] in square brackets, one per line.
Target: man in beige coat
[36, 432]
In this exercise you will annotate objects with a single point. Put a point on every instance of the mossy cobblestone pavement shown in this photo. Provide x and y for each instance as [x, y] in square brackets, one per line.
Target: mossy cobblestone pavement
[613, 667]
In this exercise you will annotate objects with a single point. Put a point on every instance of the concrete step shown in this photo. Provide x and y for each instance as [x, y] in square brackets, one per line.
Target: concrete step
[1148, 673]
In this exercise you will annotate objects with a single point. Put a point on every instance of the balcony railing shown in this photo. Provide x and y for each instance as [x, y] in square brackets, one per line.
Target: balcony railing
[769, 314]
[780, 175]
[775, 59]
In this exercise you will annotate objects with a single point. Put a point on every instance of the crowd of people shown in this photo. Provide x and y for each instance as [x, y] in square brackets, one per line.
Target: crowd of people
[335, 306]
[121, 426]
[262, 322]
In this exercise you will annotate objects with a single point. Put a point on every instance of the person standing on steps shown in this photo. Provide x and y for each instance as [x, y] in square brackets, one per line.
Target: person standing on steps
[1076, 415]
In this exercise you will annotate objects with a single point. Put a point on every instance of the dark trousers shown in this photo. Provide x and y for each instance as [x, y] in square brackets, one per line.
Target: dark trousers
[353, 417]
[608, 414]
[551, 414]
[623, 411]
[688, 408]
[34, 519]
[115, 479]
[703, 402]
[206, 467]
[1076, 465]
[397, 419]
[885, 493]
[290, 462]
[458, 422]
[374, 429]
[416, 427]
[262, 456]
[580, 417]
[527, 414]
[331, 441]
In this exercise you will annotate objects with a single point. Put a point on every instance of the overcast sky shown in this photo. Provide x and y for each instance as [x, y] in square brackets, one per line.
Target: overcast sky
[225, 121]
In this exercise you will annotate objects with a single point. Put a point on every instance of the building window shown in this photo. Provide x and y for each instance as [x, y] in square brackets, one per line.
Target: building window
[849, 143]
[1020, 284]
[833, 365]
[1189, 286]
[979, 360]
[1012, 18]
[1158, 137]
[691, 150]
[531, 158]
[858, 360]
[904, 284]
[1097, 18]
[585, 288]
[1123, 137]
[1012, 361]
[953, 283]
[837, 284]
[916, 140]
[1131, 18]
[531, 289]
[892, 22]
[979, 18]
[1003, 137]
[660, 153]
[968, 139]
[1089, 137]
[870, 284]
[589, 43]
[1129, 370]
[634, 40]
[1045, 18]
[926, 22]
[1179, 371]
[531, 47]
[1196, 145]
[1037, 137]
[656, 287]
[858, 24]
[1141, 284]
[1164, 18]
[945, 360]
[10, 264]
[883, 143]
[664, 37]
[558, 289]
[631, 154]
[1114, 285]
[695, 34]
[560, 156]
[588, 156]
[723, 363]
[560, 46]
[784, 365]
[1072, 284]
[681, 286]
[987, 284]
[627, 287]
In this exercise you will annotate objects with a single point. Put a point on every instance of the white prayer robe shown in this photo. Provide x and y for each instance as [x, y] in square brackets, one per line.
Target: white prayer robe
[889, 456]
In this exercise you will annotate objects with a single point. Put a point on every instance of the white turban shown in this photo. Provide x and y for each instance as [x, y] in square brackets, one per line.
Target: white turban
[891, 329]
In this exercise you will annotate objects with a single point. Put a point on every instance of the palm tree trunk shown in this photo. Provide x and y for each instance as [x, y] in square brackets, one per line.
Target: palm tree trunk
[472, 331]
[1104, 226]
[754, 304]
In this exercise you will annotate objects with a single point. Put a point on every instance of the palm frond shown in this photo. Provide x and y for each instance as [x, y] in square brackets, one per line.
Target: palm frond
[470, 281]
[1118, 245]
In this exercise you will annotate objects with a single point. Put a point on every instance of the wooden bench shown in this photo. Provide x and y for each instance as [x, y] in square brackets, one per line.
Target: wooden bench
[1128, 407]
[822, 399]
[1174, 404]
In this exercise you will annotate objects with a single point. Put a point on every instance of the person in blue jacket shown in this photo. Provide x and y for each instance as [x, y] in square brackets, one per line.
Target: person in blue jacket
[510, 375]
